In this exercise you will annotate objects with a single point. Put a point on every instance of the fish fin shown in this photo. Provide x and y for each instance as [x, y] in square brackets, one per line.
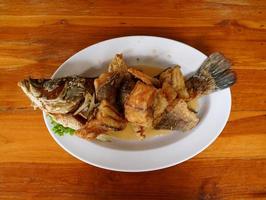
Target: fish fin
[214, 74]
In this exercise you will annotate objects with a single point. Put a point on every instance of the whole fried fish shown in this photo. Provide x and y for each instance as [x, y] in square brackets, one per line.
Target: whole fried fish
[94, 106]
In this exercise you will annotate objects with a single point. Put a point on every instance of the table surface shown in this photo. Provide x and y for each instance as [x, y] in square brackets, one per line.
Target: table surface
[37, 36]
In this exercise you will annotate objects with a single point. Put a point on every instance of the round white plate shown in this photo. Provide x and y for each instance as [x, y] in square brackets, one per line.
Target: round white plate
[153, 153]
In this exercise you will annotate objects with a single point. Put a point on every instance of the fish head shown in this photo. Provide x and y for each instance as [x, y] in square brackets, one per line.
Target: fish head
[61, 95]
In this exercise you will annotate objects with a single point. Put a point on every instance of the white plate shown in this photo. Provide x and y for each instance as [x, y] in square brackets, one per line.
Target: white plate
[154, 153]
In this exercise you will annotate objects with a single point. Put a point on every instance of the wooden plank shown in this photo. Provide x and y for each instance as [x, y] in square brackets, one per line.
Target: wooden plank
[37, 36]
[215, 179]
[31, 21]
[43, 52]
[28, 140]
[241, 138]
[249, 91]
[238, 29]
[176, 9]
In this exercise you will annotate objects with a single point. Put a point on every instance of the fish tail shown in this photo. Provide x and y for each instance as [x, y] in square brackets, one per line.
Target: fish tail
[214, 74]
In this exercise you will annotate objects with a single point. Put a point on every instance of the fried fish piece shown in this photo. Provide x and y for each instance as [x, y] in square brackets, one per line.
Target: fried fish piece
[126, 86]
[106, 86]
[127, 83]
[164, 97]
[139, 104]
[118, 64]
[170, 109]
[173, 81]
[144, 77]
[105, 118]
[174, 77]
[176, 116]
[160, 104]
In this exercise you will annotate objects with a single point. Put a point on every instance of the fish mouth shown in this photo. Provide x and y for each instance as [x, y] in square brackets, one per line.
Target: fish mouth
[35, 87]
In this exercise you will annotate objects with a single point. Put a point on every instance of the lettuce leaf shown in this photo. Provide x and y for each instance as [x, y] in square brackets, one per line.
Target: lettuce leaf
[60, 129]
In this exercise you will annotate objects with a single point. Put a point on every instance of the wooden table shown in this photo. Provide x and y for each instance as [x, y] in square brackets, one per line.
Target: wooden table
[37, 36]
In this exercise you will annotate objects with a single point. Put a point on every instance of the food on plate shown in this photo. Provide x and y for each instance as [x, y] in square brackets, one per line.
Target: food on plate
[105, 118]
[176, 116]
[139, 105]
[126, 86]
[118, 64]
[61, 128]
[94, 107]
[107, 86]
[60, 95]
[175, 79]
[214, 74]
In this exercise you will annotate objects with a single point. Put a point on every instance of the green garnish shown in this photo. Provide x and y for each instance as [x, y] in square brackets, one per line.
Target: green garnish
[60, 129]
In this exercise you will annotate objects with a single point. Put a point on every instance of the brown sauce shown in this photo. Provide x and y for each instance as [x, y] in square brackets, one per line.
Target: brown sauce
[129, 134]
[150, 70]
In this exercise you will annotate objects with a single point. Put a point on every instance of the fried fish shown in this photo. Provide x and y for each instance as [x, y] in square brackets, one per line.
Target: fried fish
[95, 106]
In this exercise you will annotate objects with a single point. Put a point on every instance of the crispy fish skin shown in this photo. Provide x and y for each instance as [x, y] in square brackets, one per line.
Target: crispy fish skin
[164, 97]
[176, 116]
[139, 104]
[126, 86]
[173, 87]
[170, 112]
[106, 86]
[174, 77]
[105, 118]
[214, 74]
[127, 83]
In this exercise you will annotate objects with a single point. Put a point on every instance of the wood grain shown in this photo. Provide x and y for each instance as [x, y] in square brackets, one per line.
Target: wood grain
[37, 36]
[186, 181]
